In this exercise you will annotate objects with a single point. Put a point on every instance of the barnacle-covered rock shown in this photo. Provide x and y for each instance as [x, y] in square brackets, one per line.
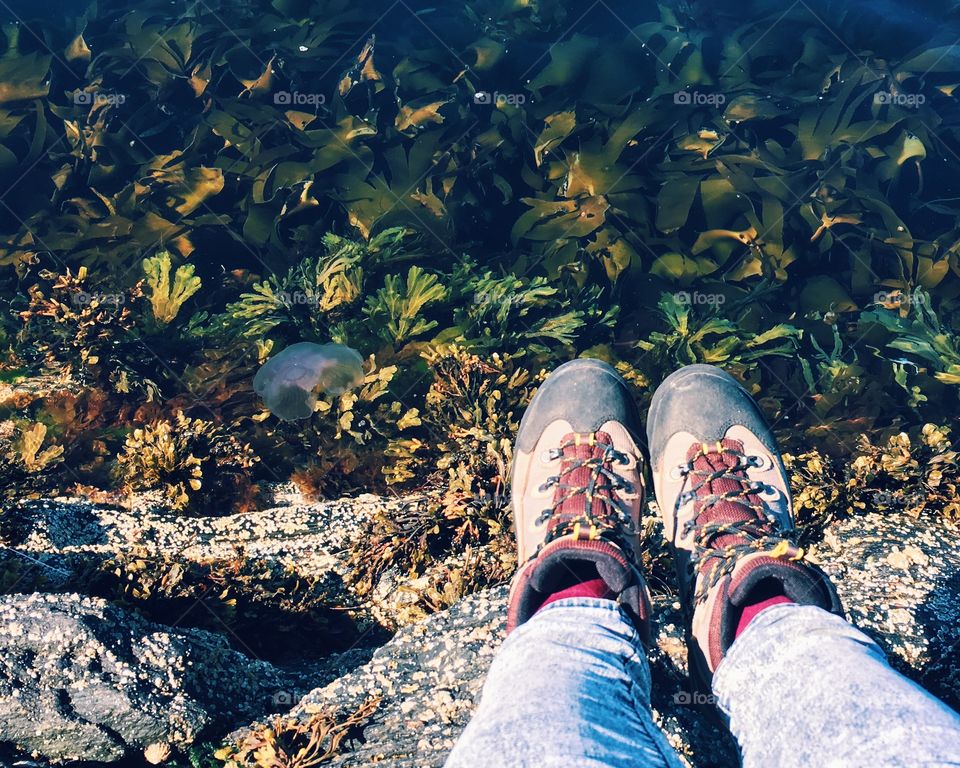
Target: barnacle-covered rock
[897, 575]
[86, 680]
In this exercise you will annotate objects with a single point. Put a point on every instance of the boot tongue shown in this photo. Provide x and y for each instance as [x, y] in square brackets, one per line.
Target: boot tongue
[708, 458]
[577, 449]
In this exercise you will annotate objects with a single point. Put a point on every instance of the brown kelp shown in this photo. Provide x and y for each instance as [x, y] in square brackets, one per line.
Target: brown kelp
[653, 185]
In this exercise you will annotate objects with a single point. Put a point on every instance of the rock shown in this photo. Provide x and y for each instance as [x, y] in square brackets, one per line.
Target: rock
[430, 674]
[899, 579]
[67, 538]
[81, 679]
[306, 536]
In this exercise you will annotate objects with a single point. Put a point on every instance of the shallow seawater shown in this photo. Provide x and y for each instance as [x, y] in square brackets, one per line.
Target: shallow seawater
[464, 193]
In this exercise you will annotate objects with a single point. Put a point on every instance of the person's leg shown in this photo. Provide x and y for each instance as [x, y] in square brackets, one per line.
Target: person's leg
[570, 688]
[803, 687]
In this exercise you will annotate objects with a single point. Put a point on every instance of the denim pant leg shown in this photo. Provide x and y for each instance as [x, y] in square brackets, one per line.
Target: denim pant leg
[803, 687]
[571, 687]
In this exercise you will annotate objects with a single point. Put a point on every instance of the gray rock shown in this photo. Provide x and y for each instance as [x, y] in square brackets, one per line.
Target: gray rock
[429, 677]
[83, 679]
[899, 578]
[308, 537]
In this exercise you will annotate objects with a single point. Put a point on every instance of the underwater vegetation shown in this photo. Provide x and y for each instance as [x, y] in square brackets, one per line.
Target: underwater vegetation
[342, 243]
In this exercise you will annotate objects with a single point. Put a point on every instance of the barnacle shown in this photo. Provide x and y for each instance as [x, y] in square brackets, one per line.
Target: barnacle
[156, 753]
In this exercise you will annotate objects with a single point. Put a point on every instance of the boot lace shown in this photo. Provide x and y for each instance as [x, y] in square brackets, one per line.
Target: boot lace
[730, 519]
[586, 503]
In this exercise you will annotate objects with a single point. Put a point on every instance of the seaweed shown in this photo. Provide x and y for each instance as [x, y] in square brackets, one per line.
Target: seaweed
[29, 457]
[289, 742]
[166, 299]
[196, 465]
[467, 210]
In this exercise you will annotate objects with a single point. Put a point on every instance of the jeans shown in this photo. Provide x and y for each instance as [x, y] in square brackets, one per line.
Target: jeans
[801, 687]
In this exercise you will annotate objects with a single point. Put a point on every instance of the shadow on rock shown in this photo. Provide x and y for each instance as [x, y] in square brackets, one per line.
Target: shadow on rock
[84, 679]
[939, 615]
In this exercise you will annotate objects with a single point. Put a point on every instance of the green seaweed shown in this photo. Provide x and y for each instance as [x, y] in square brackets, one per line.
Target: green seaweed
[698, 187]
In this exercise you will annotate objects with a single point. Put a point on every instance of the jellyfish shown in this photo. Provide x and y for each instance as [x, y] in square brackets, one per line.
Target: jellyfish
[289, 381]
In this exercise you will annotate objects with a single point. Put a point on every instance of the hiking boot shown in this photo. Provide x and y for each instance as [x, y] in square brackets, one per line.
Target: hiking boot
[577, 490]
[724, 496]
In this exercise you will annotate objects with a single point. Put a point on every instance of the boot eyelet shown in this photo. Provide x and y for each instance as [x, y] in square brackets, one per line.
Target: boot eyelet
[622, 484]
[627, 460]
[545, 487]
[679, 472]
[761, 461]
[550, 455]
[768, 492]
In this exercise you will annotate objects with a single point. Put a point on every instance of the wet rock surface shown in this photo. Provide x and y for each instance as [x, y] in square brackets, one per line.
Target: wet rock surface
[899, 580]
[309, 537]
[83, 678]
[429, 679]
